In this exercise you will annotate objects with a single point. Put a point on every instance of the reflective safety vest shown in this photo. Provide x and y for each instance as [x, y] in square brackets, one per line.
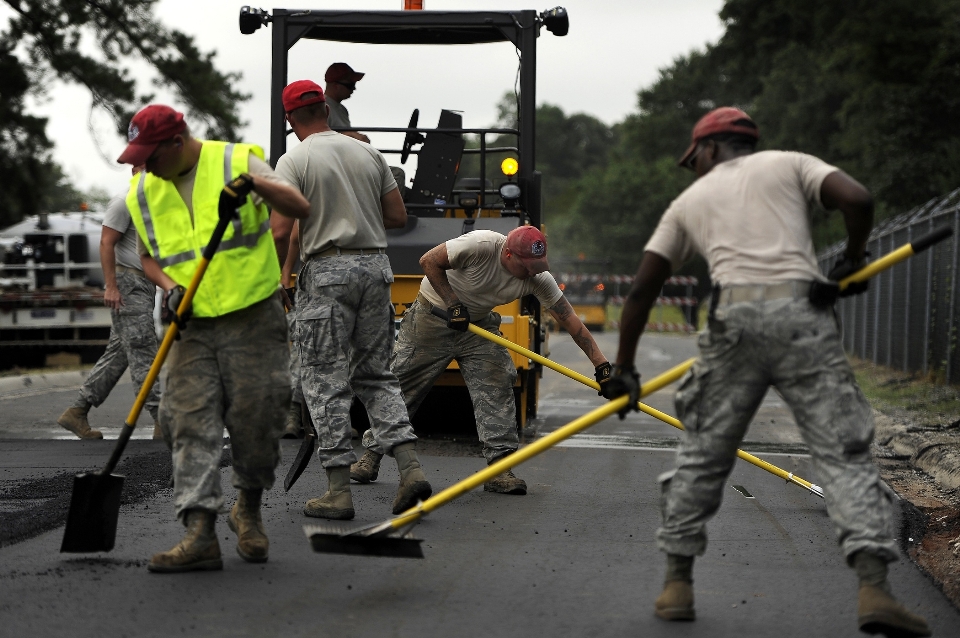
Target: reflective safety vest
[245, 269]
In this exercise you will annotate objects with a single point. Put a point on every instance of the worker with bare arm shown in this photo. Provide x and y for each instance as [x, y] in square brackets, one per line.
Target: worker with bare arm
[771, 322]
[344, 323]
[133, 341]
[467, 277]
[230, 368]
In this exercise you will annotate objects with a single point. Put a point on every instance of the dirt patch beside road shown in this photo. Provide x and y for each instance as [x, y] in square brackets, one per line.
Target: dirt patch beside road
[917, 449]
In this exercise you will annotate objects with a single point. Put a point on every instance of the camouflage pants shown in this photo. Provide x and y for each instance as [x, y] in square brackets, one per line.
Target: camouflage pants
[230, 371]
[425, 348]
[345, 337]
[297, 396]
[133, 344]
[788, 344]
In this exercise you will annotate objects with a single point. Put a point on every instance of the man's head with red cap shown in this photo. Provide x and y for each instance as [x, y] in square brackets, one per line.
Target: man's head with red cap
[720, 135]
[158, 140]
[525, 252]
[341, 81]
[304, 104]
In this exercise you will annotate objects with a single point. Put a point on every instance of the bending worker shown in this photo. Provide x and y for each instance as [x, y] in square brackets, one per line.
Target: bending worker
[469, 276]
[230, 368]
[344, 315]
[771, 323]
[133, 340]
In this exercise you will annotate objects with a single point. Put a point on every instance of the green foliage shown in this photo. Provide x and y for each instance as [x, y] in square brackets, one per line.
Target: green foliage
[871, 86]
[43, 41]
[568, 147]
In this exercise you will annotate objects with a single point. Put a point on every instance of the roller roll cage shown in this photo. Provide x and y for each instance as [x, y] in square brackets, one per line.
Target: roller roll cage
[422, 28]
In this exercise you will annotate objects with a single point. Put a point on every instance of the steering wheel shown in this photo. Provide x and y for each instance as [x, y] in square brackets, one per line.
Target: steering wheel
[412, 137]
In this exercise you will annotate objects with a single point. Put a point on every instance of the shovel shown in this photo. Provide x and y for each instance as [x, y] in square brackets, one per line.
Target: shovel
[392, 537]
[307, 448]
[95, 504]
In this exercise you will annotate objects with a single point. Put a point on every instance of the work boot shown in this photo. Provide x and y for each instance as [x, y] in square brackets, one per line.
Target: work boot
[246, 523]
[367, 468]
[337, 502]
[676, 600]
[75, 420]
[413, 484]
[878, 612]
[199, 549]
[294, 425]
[506, 483]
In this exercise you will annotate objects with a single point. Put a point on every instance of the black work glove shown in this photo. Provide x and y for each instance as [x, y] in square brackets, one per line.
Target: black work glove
[602, 374]
[845, 267]
[458, 317]
[623, 380]
[168, 309]
[234, 195]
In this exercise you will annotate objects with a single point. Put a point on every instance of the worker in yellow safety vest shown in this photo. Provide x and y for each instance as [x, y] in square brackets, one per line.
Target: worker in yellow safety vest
[230, 368]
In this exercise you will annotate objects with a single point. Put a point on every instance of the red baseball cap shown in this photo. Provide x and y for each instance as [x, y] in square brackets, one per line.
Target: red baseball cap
[341, 72]
[529, 244]
[151, 125]
[725, 119]
[293, 93]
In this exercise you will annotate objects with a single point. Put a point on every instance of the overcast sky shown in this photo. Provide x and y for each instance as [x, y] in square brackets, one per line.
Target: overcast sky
[614, 48]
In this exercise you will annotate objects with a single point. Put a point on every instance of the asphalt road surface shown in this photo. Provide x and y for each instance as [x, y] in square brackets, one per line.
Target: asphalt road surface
[575, 557]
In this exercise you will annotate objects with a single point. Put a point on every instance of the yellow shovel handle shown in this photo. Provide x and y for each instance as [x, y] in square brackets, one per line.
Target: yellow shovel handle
[896, 256]
[166, 344]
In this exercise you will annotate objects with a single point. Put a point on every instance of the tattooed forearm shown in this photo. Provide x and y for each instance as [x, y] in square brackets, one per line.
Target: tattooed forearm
[584, 339]
[563, 312]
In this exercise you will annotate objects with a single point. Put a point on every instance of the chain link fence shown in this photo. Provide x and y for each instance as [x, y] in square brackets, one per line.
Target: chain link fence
[906, 320]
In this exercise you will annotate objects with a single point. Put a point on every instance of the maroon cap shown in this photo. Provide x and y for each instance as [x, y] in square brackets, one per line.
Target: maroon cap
[292, 96]
[725, 119]
[529, 244]
[341, 72]
[153, 124]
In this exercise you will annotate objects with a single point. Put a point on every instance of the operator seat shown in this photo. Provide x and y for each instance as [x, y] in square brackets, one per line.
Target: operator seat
[437, 166]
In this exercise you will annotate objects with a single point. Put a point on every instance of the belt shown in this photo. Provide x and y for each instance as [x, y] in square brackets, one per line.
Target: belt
[135, 271]
[334, 252]
[761, 292]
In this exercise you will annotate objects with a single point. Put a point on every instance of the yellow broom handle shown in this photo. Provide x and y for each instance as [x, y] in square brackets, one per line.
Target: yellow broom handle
[666, 418]
[535, 448]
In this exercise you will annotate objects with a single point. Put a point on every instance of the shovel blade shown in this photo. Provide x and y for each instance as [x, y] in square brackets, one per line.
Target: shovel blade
[94, 510]
[329, 541]
[303, 459]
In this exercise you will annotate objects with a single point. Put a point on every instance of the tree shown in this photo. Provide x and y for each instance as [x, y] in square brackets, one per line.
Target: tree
[870, 86]
[43, 40]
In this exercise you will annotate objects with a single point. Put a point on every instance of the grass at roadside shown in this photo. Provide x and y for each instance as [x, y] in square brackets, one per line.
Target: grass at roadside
[892, 390]
[659, 314]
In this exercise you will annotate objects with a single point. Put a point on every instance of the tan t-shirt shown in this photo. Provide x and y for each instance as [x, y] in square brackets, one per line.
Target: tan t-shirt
[749, 217]
[481, 281]
[344, 180]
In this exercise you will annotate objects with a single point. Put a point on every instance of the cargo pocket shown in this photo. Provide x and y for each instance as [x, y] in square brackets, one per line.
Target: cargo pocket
[315, 336]
[387, 275]
[853, 419]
